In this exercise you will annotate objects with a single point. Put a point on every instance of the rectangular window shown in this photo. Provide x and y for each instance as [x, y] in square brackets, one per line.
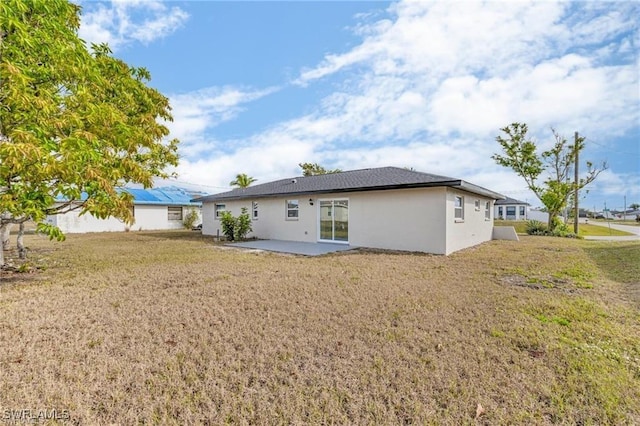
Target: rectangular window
[174, 213]
[477, 205]
[458, 208]
[511, 212]
[487, 210]
[522, 208]
[220, 208]
[292, 210]
[500, 212]
[254, 210]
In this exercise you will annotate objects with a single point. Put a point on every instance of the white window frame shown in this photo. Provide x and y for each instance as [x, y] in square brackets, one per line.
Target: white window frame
[487, 210]
[292, 206]
[477, 205]
[522, 211]
[218, 210]
[459, 208]
[254, 210]
[174, 213]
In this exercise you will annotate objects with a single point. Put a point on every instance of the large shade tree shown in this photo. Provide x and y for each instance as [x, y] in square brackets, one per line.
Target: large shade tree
[547, 174]
[75, 123]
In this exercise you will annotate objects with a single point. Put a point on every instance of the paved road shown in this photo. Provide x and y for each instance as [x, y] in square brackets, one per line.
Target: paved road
[627, 228]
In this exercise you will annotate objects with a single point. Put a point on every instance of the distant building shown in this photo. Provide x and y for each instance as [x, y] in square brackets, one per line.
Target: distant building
[511, 209]
[153, 209]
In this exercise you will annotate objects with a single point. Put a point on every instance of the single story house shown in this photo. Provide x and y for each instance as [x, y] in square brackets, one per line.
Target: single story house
[511, 209]
[387, 207]
[153, 209]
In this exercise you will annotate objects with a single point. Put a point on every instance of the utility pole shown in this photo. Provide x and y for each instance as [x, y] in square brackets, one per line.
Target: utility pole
[624, 212]
[576, 211]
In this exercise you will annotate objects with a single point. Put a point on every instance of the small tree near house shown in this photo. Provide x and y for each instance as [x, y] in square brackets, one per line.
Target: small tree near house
[520, 154]
[236, 228]
[190, 219]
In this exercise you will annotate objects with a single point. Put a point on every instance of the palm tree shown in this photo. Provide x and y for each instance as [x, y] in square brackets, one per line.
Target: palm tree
[242, 180]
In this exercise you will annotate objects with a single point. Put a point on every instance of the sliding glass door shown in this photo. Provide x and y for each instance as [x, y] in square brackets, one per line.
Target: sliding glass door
[334, 220]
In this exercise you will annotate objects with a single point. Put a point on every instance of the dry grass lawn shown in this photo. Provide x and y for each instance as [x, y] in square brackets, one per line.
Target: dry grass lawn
[169, 328]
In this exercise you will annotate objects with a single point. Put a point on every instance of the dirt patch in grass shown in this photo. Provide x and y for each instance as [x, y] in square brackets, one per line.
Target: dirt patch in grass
[167, 328]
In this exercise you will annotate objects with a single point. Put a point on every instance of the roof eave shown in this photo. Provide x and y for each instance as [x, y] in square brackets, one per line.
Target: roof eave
[449, 183]
[475, 189]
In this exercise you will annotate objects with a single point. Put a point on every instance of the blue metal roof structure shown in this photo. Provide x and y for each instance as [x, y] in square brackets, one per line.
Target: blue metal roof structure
[166, 196]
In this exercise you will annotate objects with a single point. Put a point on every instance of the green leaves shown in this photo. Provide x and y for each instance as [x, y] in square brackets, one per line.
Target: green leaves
[554, 165]
[74, 123]
[235, 228]
[312, 169]
[242, 180]
[53, 232]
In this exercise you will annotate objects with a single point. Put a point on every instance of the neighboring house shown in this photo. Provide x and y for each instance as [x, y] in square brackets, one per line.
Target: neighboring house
[387, 207]
[511, 209]
[156, 208]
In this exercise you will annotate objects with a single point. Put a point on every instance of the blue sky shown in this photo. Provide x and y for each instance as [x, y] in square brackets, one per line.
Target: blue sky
[258, 87]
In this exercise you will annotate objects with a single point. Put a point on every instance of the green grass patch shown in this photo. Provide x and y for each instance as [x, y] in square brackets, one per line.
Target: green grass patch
[519, 225]
[580, 274]
[588, 230]
[599, 365]
[619, 222]
[618, 261]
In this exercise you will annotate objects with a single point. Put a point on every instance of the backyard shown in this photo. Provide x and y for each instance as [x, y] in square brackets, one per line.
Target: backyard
[171, 328]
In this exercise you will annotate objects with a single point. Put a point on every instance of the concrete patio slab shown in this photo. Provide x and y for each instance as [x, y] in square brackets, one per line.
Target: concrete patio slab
[293, 247]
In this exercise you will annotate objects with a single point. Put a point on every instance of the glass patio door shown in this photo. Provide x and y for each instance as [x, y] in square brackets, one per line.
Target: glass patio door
[334, 220]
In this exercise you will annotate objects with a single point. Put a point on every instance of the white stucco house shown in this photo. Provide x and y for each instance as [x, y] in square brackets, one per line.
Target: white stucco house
[153, 209]
[511, 209]
[387, 207]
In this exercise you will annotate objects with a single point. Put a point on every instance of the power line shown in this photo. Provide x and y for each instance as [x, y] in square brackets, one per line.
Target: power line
[197, 184]
[609, 148]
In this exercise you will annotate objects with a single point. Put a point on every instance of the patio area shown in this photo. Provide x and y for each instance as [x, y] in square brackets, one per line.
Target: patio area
[293, 247]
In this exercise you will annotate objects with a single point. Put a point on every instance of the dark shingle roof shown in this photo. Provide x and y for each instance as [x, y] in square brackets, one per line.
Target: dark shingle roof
[511, 201]
[349, 181]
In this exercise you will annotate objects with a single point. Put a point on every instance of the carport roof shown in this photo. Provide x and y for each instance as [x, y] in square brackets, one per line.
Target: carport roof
[375, 179]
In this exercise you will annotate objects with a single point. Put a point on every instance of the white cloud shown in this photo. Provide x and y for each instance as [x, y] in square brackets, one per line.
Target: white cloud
[431, 83]
[126, 21]
[197, 112]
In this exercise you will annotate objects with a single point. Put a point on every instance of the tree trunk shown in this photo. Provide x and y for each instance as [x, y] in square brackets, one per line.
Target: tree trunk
[22, 251]
[553, 215]
[5, 233]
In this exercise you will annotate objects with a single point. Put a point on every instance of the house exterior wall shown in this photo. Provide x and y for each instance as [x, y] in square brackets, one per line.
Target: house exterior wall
[72, 223]
[474, 228]
[420, 219]
[147, 217]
